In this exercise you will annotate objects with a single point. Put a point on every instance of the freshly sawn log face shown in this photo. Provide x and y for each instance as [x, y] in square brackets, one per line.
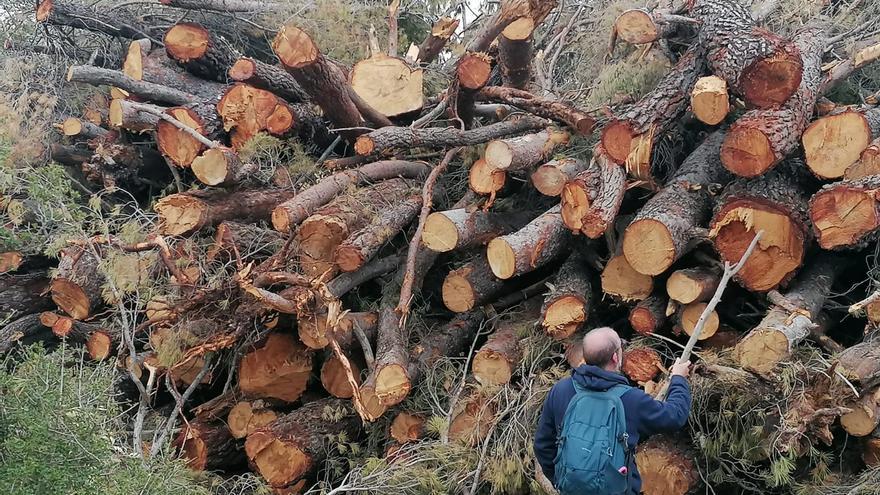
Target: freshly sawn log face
[459, 229]
[534, 245]
[77, 286]
[388, 84]
[649, 314]
[314, 333]
[269, 77]
[496, 361]
[279, 368]
[180, 146]
[641, 364]
[185, 213]
[200, 53]
[666, 468]
[868, 164]
[245, 417]
[693, 284]
[567, 306]
[835, 142]
[550, 179]
[247, 110]
[471, 285]
[591, 200]
[846, 214]
[709, 100]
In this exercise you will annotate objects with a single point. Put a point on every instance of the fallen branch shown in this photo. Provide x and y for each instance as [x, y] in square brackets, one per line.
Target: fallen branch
[152, 109]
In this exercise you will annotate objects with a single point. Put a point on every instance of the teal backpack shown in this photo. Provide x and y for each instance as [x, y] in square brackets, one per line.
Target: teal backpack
[592, 455]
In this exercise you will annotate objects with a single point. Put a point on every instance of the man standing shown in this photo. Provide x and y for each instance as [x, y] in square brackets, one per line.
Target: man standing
[603, 358]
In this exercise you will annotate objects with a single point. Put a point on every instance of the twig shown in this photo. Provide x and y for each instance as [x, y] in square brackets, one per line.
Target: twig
[406, 287]
[430, 116]
[859, 306]
[729, 272]
[179, 402]
[176, 123]
[359, 334]
[327, 151]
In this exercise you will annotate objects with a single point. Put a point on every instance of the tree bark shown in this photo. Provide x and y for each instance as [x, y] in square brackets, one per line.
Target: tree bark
[692, 285]
[567, 305]
[846, 214]
[132, 167]
[524, 152]
[97, 76]
[835, 142]
[578, 120]
[669, 224]
[319, 77]
[226, 6]
[780, 331]
[185, 213]
[74, 127]
[269, 77]
[23, 331]
[762, 138]
[550, 179]
[649, 315]
[290, 213]
[180, 146]
[76, 288]
[441, 32]
[471, 285]
[590, 202]
[536, 244]
[145, 62]
[641, 26]
[776, 204]
[248, 241]
[865, 415]
[294, 446]
[456, 230]
[388, 138]
[278, 367]
[62, 13]
[209, 447]
[221, 166]
[22, 293]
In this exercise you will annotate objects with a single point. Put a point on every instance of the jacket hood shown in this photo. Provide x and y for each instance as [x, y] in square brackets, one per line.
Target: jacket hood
[595, 378]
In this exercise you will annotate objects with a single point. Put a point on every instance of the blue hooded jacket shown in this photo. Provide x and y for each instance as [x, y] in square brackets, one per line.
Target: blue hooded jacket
[644, 415]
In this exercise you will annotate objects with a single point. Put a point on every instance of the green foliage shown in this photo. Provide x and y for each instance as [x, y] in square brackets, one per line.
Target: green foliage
[270, 153]
[626, 78]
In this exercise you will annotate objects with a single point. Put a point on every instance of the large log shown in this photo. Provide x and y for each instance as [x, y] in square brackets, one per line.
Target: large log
[388, 84]
[760, 139]
[669, 224]
[524, 152]
[776, 204]
[567, 305]
[641, 364]
[324, 231]
[536, 244]
[294, 446]
[591, 200]
[763, 68]
[180, 146]
[846, 214]
[209, 447]
[324, 81]
[666, 467]
[835, 142]
[290, 213]
[278, 367]
[65, 13]
[459, 229]
[23, 293]
[621, 281]
[471, 285]
[247, 111]
[407, 428]
[185, 213]
[472, 418]
[269, 77]
[387, 138]
[77, 285]
[199, 51]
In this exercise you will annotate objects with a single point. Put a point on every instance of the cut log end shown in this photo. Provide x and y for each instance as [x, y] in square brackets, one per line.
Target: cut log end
[619, 279]
[71, 126]
[665, 468]
[502, 258]
[778, 254]
[388, 84]
[833, 143]
[617, 140]
[771, 81]
[99, 345]
[244, 419]
[564, 316]
[710, 101]
[484, 179]
[281, 219]
[180, 214]
[335, 379]
[762, 350]
[71, 298]
[862, 420]
[133, 65]
[457, 292]
[868, 164]
[373, 408]
[364, 145]
[215, 166]
[242, 70]
[115, 114]
[439, 233]
[498, 155]
[278, 462]
[844, 215]
[520, 29]
[187, 41]
[641, 364]
[550, 180]
[349, 258]
[474, 70]
[649, 247]
[643, 320]
[747, 152]
[871, 452]
[278, 369]
[294, 47]
[636, 27]
[492, 368]
[690, 315]
[407, 427]
[691, 285]
[392, 384]
[10, 261]
[179, 146]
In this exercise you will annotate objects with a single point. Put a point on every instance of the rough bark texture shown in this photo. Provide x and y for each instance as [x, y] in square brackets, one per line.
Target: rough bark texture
[23, 293]
[294, 446]
[590, 202]
[388, 138]
[277, 368]
[471, 285]
[762, 138]
[567, 305]
[776, 204]
[495, 362]
[292, 212]
[550, 179]
[154, 92]
[846, 214]
[252, 242]
[578, 120]
[145, 62]
[524, 152]
[269, 77]
[76, 287]
[185, 213]
[209, 447]
[649, 314]
[459, 229]
[180, 146]
[667, 226]
[536, 244]
[63, 13]
[777, 334]
[836, 141]
[442, 30]
[24, 331]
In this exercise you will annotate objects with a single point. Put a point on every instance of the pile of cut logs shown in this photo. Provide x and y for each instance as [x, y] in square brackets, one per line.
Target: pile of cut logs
[316, 312]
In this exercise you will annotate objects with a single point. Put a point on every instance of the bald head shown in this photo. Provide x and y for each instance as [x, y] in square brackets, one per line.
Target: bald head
[601, 345]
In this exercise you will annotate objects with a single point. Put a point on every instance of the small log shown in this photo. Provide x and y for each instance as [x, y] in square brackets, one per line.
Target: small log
[710, 101]
[865, 415]
[567, 305]
[388, 138]
[124, 115]
[760, 139]
[180, 146]
[483, 179]
[837, 141]
[293, 446]
[781, 330]
[666, 468]
[313, 331]
[76, 287]
[496, 361]
[472, 74]
[470, 285]
[861, 364]
[324, 81]
[278, 367]
[209, 447]
[10, 261]
[689, 315]
[441, 32]
[621, 281]
[102, 343]
[406, 427]
[97, 76]
[640, 26]
[388, 84]
[362, 246]
[578, 120]
[590, 202]
[199, 52]
[24, 331]
[776, 204]
[871, 451]
[550, 179]
[515, 52]
[290, 213]
[324, 231]
[185, 213]
[269, 77]
[456, 230]
[245, 417]
[691, 285]
[649, 314]
[145, 62]
[868, 164]
[221, 166]
[73, 126]
[668, 225]
[474, 417]
[536, 244]
[524, 152]
[846, 214]
[641, 364]
[64, 13]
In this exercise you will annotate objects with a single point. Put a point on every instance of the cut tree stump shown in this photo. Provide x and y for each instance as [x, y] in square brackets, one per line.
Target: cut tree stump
[536, 244]
[837, 141]
[709, 100]
[185, 213]
[846, 214]
[460, 229]
[567, 305]
[209, 447]
[245, 417]
[388, 84]
[279, 367]
[77, 286]
[550, 179]
[471, 285]
[691, 285]
[199, 51]
[649, 314]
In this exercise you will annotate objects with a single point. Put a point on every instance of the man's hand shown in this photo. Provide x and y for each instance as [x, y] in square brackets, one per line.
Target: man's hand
[681, 369]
